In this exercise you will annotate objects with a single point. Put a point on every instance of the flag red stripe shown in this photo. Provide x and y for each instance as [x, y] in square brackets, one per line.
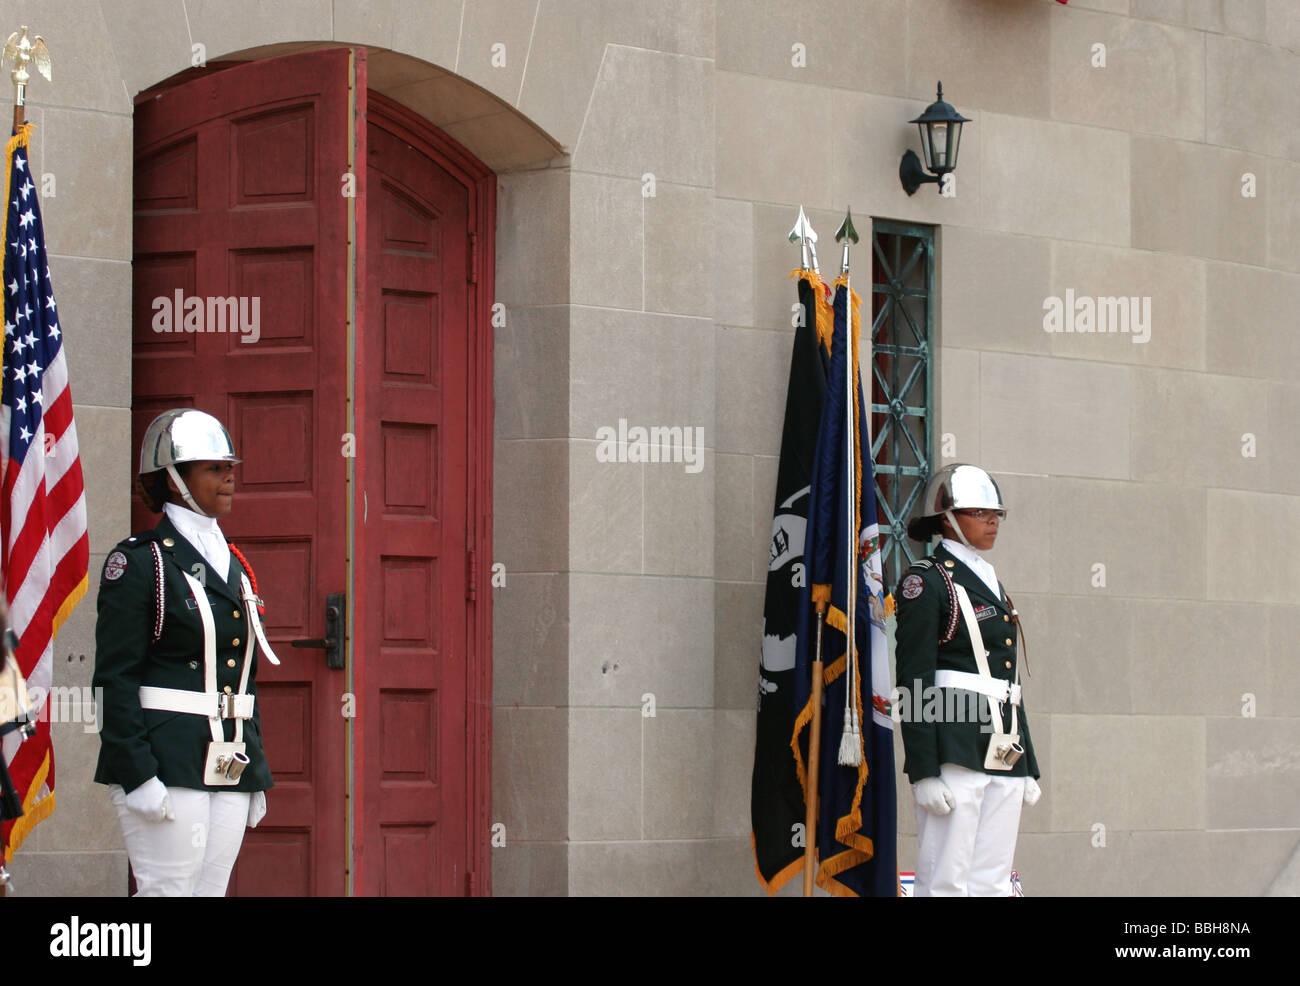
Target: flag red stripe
[58, 415]
[22, 553]
[28, 758]
[44, 515]
[64, 579]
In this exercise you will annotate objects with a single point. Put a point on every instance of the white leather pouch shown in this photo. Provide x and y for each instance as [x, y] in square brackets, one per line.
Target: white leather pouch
[1004, 750]
[224, 763]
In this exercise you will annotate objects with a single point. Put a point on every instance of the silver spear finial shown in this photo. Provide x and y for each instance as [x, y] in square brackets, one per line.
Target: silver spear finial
[846, 235]
[804, 234]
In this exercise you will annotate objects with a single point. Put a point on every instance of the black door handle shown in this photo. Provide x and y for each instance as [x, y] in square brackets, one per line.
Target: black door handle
[332, 642]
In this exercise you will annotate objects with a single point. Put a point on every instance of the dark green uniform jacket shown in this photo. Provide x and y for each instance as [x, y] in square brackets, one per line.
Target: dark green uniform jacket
[924, 611]
[135, 743]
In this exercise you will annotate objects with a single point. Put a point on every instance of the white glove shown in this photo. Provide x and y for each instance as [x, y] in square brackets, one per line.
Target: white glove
[256, 808]
[934, 796]
[151, 800]
[1032, 792]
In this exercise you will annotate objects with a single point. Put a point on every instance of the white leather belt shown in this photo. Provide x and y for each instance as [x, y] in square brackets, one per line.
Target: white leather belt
[208, 704]
[995, 688]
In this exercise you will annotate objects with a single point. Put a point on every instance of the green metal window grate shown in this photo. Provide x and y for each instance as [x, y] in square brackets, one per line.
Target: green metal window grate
[902, 391]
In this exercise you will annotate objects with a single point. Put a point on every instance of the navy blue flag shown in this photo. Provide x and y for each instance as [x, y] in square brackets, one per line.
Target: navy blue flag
[857, 820]
[776, 799]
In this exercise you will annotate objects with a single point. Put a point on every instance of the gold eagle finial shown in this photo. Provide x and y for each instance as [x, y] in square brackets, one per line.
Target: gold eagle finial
[24, 51]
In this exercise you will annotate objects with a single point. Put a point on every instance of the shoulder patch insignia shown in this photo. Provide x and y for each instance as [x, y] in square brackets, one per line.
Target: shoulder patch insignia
[115, 566]
[912, 586]
[923, 563]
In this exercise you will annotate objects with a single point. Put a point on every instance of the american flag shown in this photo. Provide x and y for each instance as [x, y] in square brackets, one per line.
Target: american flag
[44, 546]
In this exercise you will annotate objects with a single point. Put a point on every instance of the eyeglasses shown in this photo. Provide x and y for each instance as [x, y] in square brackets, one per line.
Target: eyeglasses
[979, 513]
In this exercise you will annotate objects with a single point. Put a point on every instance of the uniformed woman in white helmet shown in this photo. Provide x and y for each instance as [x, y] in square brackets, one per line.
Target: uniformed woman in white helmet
[965, 732]
[176, 658]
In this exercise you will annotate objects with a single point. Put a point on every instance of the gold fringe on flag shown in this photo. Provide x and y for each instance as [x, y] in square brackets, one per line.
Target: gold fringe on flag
[846, 827]
[825, 316]
[34, 812]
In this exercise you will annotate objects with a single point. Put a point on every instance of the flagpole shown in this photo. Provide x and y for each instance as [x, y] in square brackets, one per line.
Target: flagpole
[804, 234]
[22, 51]
[851, 737]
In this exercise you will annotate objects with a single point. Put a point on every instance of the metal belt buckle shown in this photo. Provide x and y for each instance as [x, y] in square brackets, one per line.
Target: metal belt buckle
[236, 706]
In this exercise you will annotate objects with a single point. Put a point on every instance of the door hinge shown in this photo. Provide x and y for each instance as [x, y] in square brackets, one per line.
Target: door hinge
[473, 258]
[471, 574]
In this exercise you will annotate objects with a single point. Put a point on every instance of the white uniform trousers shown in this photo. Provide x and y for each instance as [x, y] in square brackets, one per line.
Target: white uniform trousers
[968, 852]
[188, 856]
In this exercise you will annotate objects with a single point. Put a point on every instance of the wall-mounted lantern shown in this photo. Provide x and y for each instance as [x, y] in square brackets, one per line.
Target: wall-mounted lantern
[940, 128]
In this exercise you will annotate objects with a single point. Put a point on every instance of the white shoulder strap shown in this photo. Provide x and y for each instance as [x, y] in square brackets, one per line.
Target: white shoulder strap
[209, 654]
[981, 655]
[210, 657]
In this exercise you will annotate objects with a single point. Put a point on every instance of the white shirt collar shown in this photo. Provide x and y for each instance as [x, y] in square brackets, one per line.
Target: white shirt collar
[976, 563]
[189, 522]
[204, 533]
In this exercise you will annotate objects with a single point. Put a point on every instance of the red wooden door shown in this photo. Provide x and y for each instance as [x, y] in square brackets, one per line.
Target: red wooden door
[237, 194]
[414, 549]
[364, 420]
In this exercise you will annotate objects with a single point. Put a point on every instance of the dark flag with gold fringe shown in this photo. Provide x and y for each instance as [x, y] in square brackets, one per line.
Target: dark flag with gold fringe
[857, 820]
[776, 800]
